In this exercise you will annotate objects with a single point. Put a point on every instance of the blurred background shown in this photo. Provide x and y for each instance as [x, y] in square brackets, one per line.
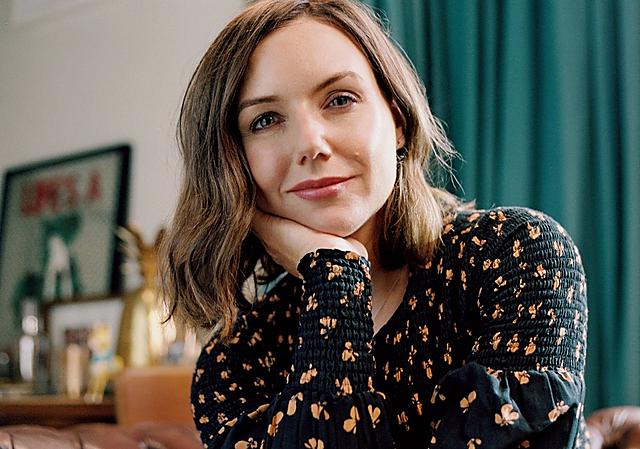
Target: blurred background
[541, 98]
[91, 85]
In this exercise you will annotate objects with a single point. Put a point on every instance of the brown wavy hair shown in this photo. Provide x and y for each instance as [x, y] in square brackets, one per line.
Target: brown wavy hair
[209, 251]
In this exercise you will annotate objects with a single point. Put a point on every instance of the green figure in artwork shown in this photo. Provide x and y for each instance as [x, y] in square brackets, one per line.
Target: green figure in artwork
[29, 286]
[60, 277]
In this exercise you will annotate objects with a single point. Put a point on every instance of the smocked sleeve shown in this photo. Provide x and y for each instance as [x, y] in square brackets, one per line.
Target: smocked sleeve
[523, 384]
[328, 399]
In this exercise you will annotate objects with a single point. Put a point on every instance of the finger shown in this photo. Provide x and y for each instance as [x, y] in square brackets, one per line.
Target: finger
[358, 247]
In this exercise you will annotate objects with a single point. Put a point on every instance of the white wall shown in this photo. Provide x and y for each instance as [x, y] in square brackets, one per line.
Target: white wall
[102, 72]
[105, 72]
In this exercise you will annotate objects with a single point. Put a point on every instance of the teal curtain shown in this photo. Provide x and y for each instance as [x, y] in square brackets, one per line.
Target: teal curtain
[542, 100]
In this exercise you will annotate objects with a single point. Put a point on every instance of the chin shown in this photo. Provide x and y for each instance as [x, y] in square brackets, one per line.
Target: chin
[338, 226]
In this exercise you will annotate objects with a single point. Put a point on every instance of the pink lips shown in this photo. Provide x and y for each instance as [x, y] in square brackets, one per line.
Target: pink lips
[317, 189]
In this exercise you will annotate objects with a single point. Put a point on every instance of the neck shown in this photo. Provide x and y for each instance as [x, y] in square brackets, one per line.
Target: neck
[387, 285]
[369, 235]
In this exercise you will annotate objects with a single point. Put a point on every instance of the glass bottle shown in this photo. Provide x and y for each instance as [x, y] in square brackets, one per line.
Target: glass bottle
[33, 348]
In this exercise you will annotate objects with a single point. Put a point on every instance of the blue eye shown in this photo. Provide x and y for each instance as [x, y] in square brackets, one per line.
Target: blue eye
[341, 100]
[262, 122]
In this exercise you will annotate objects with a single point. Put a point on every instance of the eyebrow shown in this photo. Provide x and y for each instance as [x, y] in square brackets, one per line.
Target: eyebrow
[272, 98]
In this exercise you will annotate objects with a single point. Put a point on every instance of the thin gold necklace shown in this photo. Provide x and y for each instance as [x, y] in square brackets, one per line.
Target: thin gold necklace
[388, 294]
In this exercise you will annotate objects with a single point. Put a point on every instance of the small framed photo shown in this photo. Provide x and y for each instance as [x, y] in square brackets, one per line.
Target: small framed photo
[70, 325]
[57, 230]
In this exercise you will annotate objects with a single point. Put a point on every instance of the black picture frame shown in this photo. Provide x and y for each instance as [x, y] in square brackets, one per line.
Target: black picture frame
[57, 230]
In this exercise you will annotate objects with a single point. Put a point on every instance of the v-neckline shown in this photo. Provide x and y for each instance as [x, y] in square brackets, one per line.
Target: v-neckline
[395, 316]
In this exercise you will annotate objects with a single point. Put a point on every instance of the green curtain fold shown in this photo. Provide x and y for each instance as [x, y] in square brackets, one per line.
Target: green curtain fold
[542, 100]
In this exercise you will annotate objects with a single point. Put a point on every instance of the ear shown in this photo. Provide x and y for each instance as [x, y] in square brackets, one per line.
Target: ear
[400, 122]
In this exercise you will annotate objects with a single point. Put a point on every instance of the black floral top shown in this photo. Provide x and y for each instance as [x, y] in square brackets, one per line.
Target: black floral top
[486, 350]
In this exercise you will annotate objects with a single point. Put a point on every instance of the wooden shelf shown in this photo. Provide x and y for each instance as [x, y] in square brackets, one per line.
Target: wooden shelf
[54, 411]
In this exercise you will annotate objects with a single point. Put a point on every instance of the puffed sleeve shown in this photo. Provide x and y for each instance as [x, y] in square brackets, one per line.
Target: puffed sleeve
[328, 399]
[523, 384]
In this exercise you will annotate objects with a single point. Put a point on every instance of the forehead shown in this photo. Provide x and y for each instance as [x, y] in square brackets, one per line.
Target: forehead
[304, 52]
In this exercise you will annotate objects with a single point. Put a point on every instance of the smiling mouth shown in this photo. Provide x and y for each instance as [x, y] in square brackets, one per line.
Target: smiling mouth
[317, 183]
[321, 188]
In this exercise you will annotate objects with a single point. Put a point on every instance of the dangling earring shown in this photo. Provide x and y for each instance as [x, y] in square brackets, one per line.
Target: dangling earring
[401, 154]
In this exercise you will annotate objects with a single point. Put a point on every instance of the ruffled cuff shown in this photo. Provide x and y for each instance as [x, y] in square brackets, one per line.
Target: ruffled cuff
[334, 352]
[315, 419]
[496, 408]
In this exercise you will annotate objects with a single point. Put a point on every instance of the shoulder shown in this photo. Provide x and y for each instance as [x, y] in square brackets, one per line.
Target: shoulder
[505, 247]
[268, 324]
[276, 306]
[489, 230]
[526, 288]
[498, 219]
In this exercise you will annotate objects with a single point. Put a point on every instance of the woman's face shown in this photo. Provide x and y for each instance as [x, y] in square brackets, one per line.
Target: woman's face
[318, 134]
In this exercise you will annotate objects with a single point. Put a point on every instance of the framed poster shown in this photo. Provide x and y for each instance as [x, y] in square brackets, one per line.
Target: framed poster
[57, 230]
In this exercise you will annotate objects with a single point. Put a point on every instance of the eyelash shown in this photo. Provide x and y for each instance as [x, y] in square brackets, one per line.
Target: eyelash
[254, 124]
[344, 95]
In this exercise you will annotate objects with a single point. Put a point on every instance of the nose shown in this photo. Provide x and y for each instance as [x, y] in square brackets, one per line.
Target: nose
[311, 139]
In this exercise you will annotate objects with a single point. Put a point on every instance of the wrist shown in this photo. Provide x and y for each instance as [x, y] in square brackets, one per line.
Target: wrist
[336, 328]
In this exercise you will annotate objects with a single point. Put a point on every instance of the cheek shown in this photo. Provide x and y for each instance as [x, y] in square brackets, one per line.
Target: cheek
[266, 173]
[259, 168]
[383, 171]
[381, 159]
[386, 176]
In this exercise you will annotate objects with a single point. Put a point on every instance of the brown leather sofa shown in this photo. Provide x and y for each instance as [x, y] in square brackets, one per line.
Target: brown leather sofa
[152, 411]
[100, 436]
[617, 427]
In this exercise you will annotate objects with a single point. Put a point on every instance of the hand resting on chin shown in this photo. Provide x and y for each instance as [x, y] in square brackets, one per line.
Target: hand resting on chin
[287, 241]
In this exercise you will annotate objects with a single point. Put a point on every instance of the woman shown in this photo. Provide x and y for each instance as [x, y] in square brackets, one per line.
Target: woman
[357, 305]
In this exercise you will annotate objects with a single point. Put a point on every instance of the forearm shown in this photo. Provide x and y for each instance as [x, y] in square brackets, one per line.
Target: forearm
[336, 328]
